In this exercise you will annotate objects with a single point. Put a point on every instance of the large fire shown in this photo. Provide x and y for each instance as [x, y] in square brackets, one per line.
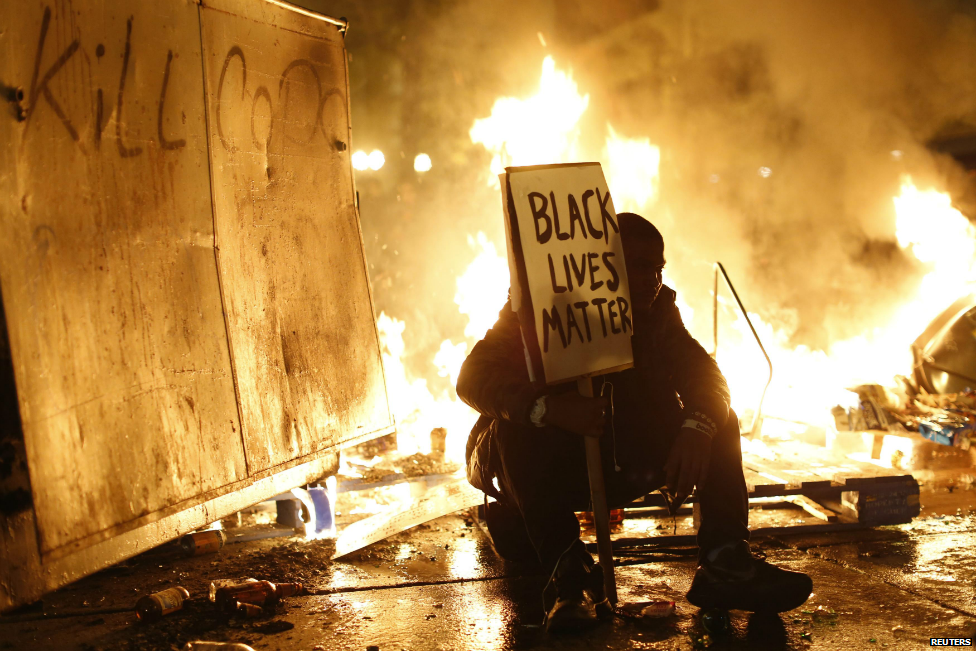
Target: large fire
[481, 292]
[545, 128]
[807, 382]
[539, 130]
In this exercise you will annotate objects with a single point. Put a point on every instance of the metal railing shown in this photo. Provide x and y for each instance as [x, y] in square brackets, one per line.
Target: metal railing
[719, 267]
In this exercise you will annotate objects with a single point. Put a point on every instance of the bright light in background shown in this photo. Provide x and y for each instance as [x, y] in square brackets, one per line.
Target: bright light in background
[632, 167]
[422, 163]
[481, 292]
[376, 159]
[539, 130]
[360, 160]
[940, 236]
[544, 128]
[483, 288]
[808, 381]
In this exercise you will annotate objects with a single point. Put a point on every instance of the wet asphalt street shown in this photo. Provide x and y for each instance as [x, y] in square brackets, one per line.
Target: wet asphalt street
[441, 586]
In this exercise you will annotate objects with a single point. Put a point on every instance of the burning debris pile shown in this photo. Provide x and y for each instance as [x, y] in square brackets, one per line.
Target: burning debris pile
[946, 419]
[379, 460]
[937, 242]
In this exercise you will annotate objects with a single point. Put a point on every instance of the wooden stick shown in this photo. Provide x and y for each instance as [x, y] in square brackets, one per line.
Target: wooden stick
[813, 508]
[598, 497]
[444, 499]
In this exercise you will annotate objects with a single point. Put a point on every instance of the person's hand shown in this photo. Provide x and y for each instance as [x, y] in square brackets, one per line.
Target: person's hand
[687, 464]
[574, 413]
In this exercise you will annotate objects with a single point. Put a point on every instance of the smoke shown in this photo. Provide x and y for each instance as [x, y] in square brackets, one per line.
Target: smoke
[784, 130]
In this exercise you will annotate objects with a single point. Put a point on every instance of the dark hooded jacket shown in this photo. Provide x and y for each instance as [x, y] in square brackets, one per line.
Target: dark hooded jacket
[672, 373]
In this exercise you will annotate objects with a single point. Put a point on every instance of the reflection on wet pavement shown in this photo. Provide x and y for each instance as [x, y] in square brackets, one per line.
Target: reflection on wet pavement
[441, 586]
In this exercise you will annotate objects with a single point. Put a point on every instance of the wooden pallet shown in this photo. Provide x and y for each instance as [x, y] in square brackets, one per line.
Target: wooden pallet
[834, 489]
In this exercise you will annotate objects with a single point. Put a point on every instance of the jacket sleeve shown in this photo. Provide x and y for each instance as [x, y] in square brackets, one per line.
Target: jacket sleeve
[696, 376]
[494, 379]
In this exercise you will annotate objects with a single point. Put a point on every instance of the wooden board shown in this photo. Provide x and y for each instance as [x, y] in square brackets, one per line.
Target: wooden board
[107, 265]
[812, 476]
[446, 498]
[134, 349]
[299, 314]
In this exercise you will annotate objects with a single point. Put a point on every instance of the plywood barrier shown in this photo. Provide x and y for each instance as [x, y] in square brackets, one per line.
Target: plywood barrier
[181, 264]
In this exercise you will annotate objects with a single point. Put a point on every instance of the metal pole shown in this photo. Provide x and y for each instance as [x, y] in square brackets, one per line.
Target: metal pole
[598, 497]
[757, 421]
[715, 314]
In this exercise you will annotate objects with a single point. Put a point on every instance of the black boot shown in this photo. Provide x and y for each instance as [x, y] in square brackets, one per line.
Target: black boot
[736, 580]
[572, 577]
[595, 587]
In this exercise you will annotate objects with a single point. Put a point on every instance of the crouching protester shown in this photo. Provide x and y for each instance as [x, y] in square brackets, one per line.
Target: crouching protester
[663, 424]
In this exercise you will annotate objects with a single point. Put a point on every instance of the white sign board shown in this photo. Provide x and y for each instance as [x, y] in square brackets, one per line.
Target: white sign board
[569, 283]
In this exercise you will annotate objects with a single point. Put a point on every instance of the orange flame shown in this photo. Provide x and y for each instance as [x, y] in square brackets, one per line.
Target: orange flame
[545, 128]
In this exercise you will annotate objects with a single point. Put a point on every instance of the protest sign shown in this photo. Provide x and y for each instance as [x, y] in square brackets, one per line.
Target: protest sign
[569, 282]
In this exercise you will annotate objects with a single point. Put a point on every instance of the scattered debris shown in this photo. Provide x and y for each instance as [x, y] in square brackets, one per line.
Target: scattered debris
[947, 419]
[246, 610]
[203, 542]
[657, 608]
[441, 500]
[259, 593]
[225, 583]
[155, 606]
[415, 465]
[216, 646]
[948, 428]
[715, 621]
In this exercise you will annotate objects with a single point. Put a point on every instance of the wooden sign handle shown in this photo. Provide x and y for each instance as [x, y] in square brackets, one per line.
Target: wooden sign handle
[598, 498]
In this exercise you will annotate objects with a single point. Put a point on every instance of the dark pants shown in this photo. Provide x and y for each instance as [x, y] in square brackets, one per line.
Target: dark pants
[543, 474]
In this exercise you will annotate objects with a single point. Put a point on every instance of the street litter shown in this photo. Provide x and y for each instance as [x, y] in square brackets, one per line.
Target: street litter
[715, 621]
[155, 606]
[203, 542]
[658, 608]
[257, 593]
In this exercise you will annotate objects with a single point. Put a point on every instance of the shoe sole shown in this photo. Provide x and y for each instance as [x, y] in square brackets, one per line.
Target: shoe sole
[729, 598]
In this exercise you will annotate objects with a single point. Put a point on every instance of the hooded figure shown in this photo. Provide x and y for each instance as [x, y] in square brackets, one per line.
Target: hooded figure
[663, 424]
